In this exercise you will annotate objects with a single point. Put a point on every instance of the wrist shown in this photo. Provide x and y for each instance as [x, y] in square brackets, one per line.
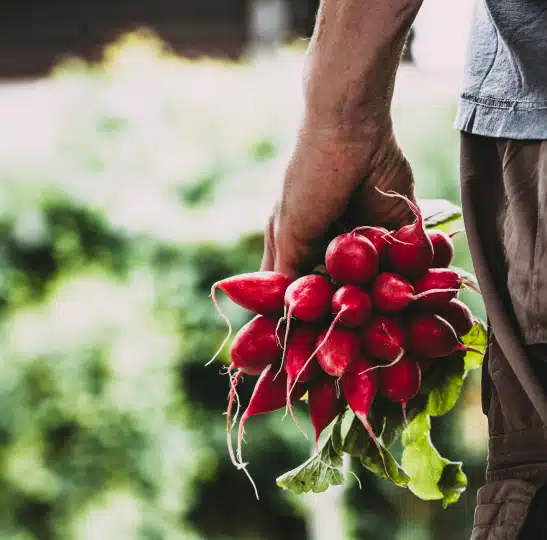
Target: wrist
[363, 132]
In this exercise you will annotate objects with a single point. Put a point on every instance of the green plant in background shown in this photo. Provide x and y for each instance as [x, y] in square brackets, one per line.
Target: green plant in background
[127, 189]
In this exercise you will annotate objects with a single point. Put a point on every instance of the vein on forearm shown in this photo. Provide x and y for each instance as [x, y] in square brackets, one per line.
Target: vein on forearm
[354, 54]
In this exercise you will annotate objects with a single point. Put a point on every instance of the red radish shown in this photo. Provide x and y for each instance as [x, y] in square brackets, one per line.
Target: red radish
[379, 236]
[410, 252]
[256, 346]
[384, 338]
[431, 336]
[351, 259]
[269, 395]
[309, 299]
[359, 386]
[300, 348]
[324, 404]
[259, 292]
[441, 286]
[391, 292]
[443, 248]
[402, 381]
[352, 306]
[458, 315]
[336, 349]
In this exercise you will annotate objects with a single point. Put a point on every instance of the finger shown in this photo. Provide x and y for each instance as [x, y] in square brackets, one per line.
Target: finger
[268, 256]
[370, 207]
[289, 258]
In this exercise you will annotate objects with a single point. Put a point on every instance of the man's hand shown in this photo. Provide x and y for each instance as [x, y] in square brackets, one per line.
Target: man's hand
[346, 147]
[330, 187]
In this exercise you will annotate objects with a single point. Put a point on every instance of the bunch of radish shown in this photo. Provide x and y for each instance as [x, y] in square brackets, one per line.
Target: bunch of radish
[384, 309]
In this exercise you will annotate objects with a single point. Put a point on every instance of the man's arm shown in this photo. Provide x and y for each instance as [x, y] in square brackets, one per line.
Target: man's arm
[352, 60]
[346, 146]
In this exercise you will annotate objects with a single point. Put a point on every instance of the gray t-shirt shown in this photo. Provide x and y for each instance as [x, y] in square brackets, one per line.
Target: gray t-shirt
[505, 86]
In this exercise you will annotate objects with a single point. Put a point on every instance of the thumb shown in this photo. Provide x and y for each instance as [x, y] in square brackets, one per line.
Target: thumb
[283, 252]
[291, 255]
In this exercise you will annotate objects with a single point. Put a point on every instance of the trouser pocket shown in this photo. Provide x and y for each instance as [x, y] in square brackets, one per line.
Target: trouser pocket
[501, 510]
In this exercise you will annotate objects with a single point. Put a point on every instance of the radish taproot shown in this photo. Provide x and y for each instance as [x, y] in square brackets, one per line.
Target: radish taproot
[458, 315]
[360, 386]
[260, 292]
[351, 306]
[443, 247]
[269, 395]
[384, 338]
[410, 251]
[336, 349]
[300, 364]
[351, 259]
[324, 404]
[432, 336]
[256, 346]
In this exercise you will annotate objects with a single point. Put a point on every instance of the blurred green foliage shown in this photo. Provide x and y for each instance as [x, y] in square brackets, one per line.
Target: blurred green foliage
[127, 189]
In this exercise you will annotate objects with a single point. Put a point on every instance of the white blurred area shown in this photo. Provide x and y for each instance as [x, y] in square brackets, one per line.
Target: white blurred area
[189, 120]
[442, 30]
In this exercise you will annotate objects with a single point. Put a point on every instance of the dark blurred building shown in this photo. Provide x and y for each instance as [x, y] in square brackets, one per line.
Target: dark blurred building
[34, 34]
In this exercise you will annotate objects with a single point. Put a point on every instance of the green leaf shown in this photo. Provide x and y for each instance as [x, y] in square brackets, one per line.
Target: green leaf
[452, 483]
[439, 213]
[478, 339]
[319, 472]
[432, 477]
[445, 383]
[391, 415]
[385, 466]
[357, 439]
[468, 276]
[379, 461]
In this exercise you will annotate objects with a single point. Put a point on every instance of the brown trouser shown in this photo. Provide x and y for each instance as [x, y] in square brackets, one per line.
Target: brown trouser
[504, 196]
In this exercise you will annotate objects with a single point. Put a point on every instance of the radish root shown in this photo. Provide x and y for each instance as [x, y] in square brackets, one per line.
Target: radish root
[433, 291]
[287, 329]
[388, 234]
[403, 407]
[233, 396]
[412, 206]
[289, 408]
[239, 464]
[279, 323]
[398, 359]
[468, 285]
[226, 320]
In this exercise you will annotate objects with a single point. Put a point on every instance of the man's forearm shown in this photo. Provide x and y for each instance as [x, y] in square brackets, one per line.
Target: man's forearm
[353, 58]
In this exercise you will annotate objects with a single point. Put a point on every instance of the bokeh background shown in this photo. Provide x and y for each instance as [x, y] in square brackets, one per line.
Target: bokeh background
[142, 145]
